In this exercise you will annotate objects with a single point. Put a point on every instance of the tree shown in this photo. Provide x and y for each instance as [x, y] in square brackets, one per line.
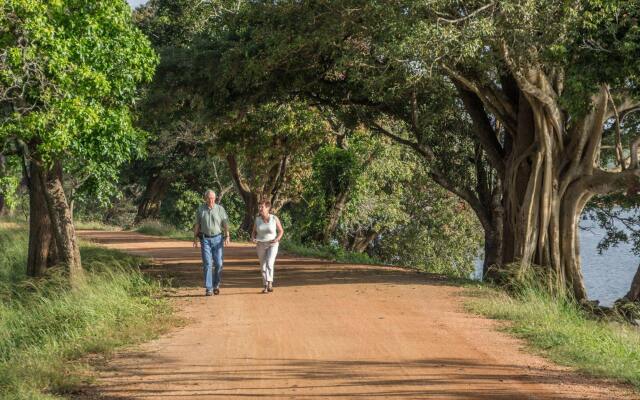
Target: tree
[69, 74]
[268, 151]
[538, 81]
[177, 107]
[321, 56]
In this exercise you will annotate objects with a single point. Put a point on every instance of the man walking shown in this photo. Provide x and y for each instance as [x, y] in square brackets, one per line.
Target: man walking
[211, 224]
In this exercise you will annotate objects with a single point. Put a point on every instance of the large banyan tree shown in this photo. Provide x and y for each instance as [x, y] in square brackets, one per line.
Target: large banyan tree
[541, 82]
[554, 75]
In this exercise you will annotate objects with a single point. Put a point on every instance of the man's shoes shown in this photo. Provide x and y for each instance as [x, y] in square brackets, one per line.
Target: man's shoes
[208, 293]
[216, 291]
[265, 290]
[270, 288]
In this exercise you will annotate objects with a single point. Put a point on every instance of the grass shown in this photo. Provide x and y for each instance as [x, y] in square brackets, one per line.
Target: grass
[157, 228]
[327, 252]
[46, 328]
[563, 332]
[95, 225]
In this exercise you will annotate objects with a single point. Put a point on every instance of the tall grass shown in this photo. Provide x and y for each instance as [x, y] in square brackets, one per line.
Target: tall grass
[46, 327]
[94, 225]
[158, 228]
[327, 252]
[558, 328]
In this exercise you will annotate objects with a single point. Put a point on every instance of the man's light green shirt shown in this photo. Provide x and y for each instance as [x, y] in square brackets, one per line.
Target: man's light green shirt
[211, 220]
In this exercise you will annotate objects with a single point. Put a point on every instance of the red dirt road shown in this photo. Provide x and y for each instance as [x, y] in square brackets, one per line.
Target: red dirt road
[328, 331]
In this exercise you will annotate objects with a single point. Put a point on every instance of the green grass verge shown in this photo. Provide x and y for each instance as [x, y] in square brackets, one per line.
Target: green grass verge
[157, 228]
[333, 253]
[95, 225]
[564, 333]
[46, 328]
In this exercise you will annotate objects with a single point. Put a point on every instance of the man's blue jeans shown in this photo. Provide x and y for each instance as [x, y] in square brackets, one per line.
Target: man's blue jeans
[211, 249]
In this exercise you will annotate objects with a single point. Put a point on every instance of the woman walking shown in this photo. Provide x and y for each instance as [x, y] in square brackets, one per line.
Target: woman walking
[267, 232]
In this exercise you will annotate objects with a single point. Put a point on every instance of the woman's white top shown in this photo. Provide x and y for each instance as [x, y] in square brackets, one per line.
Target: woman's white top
[266, 231]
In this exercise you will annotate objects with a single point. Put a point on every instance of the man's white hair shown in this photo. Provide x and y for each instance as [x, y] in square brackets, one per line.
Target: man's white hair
[206, 194]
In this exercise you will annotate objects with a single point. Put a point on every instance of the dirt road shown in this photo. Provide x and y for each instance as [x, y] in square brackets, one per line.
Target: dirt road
[327, 331]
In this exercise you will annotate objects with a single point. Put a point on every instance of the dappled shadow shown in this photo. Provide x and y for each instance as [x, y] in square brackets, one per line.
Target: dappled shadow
[264, 377]
[180, 263]
[407, 342]
[288, 274]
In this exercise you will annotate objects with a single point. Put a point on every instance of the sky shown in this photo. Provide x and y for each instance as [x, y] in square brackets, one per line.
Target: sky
[136, 3]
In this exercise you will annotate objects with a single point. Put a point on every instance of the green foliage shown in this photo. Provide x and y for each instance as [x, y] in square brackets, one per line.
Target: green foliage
[335, 169]
[8, 189]
[45, 327]
[415, 223]
[267, 136]
[441, 235]
[70, 71]
[182, 212]
[10, 180]
[603, 46]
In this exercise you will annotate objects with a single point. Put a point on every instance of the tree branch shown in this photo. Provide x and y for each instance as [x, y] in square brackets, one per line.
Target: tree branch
[604, 182]
[497, 101]
[543, 92]
[619, 154]
[468, 16]
[243, 188]
[440, 178]
[483, 129]
[634, 153]
[426, 152]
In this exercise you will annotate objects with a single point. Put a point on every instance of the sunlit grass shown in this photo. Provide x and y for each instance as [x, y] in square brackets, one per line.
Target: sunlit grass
[325, 252]
[560, 330]
[157, 228]
[95, 225]
[46, 327]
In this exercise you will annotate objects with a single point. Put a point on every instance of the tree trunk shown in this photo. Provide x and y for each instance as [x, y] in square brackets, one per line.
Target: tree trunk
[3, 171]
[492, 254]
[335, 213]
[546, 187]
[250, 212]
[40, 229]
[634, 292]
[360, 241]
[152, 197]
[64, 231]
[53, 259]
